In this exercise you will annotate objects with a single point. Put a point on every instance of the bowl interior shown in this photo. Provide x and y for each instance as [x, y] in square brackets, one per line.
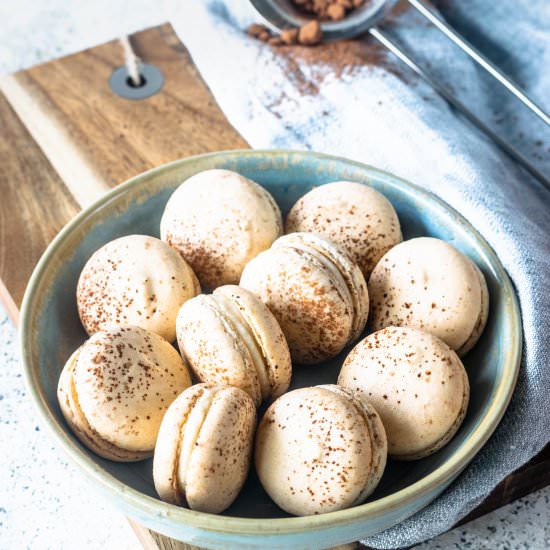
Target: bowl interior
[52, 329]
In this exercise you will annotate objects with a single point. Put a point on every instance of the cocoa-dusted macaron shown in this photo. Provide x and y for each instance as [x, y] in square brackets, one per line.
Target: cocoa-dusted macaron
[135, 280]
[219, 220]
[230, 337]
[320, 449]
[116, 387]
[416, 382]
[355, 216]
[428, 284]
[316, 292]
[204, 447]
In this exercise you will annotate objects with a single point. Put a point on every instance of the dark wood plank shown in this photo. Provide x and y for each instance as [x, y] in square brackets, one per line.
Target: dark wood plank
[530, 477]
[35, 204]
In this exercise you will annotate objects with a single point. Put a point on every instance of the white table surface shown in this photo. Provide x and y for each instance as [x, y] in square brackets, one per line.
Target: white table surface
[44, 502]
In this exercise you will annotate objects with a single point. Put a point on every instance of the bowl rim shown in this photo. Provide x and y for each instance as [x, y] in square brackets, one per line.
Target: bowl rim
[272, 526]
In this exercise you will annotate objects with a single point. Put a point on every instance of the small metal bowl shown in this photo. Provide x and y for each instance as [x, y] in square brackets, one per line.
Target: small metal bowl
[284, 14]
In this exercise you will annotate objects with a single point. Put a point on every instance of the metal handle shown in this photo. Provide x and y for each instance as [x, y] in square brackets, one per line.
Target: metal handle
[385, 40]
[478, 57]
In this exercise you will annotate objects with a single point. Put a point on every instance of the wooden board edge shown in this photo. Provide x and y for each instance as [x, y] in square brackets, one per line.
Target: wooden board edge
[83, 182]
[9, 305]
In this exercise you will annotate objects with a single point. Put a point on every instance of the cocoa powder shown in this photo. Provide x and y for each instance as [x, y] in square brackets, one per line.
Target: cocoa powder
[310, 34]
[332, 59]
[327, 10]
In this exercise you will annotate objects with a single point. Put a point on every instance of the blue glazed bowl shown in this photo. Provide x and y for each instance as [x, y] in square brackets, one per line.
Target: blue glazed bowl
[50, 331]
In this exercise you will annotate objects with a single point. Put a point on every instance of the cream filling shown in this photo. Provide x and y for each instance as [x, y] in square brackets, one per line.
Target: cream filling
[189, 435]
[378, 451]
[232, 313]
[481, 320]
[327, 262]
[346, 270]
[377, 462]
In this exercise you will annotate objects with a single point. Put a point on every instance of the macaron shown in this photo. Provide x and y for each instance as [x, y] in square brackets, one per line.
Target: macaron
[316, 292]
[353, 215]
[135, 280]
[428, 284]
[115, 388]
[320, 449]
[416, 382]
[204, 447]
[219, 220]
[230, 337]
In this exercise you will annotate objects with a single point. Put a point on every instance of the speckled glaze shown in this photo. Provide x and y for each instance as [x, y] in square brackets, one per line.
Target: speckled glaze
[316, 292]
[204, 447]
[50, 331]
[428, 284]
[135, 280]
[230, 337]
[356, 217]
[219, 220]
[116, 387]
[320, 449]
[416, 382]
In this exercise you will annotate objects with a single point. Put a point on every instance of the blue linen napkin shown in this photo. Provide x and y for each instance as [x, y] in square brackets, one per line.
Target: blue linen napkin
[379, 113]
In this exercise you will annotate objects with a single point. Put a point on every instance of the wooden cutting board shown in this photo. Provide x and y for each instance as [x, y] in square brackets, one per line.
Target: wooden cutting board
[65, 138]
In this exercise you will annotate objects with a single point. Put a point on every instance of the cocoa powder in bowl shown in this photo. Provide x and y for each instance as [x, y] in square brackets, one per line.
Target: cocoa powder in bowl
[331, 58]
[311, 33]
[327, 10]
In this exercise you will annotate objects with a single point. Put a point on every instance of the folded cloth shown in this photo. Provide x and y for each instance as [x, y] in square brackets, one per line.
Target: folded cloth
[354, 99]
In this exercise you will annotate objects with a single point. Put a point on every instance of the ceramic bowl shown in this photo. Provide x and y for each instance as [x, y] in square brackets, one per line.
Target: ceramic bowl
[50, 331]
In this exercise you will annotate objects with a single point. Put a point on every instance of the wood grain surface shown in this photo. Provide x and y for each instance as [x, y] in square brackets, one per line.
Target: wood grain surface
[65, 138]
[34, 205]
[96, 139]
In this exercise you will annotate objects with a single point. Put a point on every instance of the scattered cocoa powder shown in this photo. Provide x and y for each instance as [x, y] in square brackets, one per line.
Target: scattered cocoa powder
[337, 57]
[310, 34]
[275, 41]
[289, 36]
[328, 59]
[256, 29]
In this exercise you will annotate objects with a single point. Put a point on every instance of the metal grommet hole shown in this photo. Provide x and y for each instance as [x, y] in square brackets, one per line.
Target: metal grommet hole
[151, 82]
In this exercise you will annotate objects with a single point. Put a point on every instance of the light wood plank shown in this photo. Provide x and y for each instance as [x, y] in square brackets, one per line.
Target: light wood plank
[96, 139]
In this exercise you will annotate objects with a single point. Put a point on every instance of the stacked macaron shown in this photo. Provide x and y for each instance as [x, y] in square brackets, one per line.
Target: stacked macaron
[302, 297]
[315, 290]
[320, 449]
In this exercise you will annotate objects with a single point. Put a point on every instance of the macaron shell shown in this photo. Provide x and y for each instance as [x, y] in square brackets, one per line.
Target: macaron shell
[426, 283]
[482, 319]
[220, 461]
[268, 333]
[125, 379]
[219, 220]
[68, 403]
[354, 216]
[415, 382]
[378, 439]
[213, 348]
[349, 270]
[135, 280]
[313, 310]
[313, 451]
[165, 463]
[379, 444]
